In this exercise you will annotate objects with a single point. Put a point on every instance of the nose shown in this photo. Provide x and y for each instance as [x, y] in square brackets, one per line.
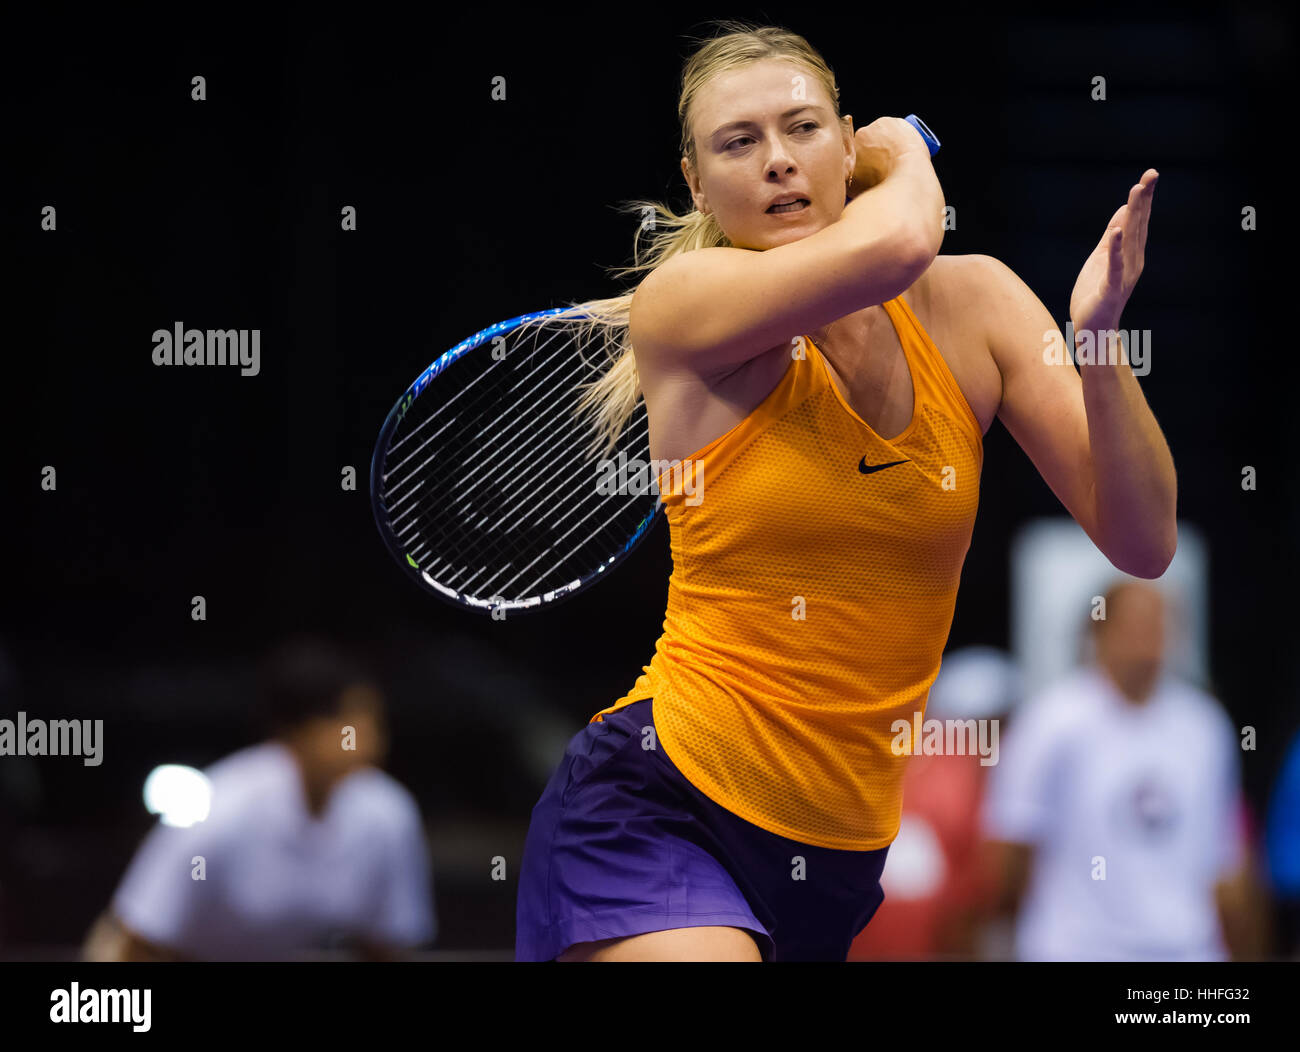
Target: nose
[780, 163]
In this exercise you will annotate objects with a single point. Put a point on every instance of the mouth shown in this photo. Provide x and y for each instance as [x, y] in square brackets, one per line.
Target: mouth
[793, 206]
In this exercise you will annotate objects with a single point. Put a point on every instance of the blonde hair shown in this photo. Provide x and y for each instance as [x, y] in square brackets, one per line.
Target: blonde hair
[611, 400]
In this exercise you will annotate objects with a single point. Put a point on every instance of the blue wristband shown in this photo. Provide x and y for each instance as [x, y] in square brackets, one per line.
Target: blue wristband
[931, 140]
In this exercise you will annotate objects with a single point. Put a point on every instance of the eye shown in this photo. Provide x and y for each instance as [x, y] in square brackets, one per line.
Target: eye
[799, 127]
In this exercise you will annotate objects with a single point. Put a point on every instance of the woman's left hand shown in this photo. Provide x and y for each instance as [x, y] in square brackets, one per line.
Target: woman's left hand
[1107, 278]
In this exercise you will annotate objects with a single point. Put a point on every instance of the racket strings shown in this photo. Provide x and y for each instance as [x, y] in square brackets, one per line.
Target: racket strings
[487, 482]
[393, 447]
[489, 469]
[478, 409]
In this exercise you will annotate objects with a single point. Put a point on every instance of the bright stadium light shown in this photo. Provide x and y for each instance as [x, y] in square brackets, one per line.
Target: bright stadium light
[180, 795]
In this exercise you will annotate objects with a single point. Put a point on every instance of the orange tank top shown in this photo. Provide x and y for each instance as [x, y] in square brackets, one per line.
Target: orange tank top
[811, 597]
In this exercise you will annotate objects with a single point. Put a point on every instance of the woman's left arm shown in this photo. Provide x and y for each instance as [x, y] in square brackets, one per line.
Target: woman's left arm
[1087, 429]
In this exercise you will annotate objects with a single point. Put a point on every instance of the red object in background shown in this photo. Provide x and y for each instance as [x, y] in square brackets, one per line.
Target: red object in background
[933, 872]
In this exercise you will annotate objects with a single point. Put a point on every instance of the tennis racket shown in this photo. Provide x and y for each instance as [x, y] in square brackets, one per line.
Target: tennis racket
[483, 483]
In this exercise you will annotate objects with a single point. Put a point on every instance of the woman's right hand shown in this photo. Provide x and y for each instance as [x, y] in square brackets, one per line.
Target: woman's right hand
[879, 147]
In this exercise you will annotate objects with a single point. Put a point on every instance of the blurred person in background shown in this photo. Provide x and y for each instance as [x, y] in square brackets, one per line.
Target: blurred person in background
[936, 893]
[1115, 816]
[308, 845]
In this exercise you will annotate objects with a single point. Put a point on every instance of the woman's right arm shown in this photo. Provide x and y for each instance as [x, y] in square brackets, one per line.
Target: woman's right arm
[711, 310]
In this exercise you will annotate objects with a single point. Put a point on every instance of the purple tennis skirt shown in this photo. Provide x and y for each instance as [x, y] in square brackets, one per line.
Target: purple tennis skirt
[621, 843]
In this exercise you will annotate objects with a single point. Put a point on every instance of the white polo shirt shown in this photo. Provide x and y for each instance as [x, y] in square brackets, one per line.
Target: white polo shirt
[278, 880]
[1153, 789]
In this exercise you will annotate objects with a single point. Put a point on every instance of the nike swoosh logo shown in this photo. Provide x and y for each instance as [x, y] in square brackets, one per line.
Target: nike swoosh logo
[867, 469]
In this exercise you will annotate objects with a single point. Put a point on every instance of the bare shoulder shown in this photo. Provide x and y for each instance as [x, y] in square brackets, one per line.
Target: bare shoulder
[951, 301]
[954, 283]
[983, 286]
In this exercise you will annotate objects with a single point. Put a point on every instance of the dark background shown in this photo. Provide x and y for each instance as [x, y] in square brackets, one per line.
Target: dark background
[176, 482]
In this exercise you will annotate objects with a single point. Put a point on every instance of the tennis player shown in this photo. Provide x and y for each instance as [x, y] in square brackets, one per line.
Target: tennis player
[830, 377]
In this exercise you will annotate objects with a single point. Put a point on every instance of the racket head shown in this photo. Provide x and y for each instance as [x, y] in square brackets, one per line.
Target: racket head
[455, 497]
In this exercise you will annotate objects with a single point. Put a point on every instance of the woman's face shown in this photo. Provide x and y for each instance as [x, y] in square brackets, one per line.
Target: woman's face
[755, 139]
